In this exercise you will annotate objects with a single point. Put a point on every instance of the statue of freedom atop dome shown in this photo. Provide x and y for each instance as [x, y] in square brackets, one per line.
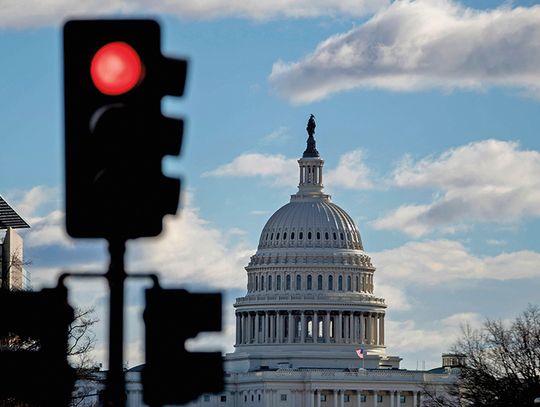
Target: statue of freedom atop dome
[311, 150]
[311, 125]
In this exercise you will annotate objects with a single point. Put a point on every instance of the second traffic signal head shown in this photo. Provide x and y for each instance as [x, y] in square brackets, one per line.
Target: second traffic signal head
[115, 134]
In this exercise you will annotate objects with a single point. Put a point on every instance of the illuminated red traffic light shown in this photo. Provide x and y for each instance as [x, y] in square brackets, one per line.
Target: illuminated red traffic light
[116, 68]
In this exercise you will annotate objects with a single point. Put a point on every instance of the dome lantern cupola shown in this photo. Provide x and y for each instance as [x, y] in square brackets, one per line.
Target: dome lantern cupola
[311, 168]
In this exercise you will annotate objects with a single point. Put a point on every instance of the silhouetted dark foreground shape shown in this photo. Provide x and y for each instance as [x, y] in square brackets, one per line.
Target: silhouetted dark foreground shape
[38, 373]
[116, 137]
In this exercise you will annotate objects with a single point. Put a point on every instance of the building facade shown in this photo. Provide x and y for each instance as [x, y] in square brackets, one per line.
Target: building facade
[310, 330]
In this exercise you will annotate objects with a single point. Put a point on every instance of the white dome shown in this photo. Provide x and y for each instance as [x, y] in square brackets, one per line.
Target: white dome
[312, 222]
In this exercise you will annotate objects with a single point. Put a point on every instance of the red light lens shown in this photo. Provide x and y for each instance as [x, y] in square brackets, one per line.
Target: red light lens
[116, 68]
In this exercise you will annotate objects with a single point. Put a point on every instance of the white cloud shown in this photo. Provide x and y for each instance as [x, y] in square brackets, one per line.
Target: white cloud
[191, 250]
[395, 297]
[490, 181]
[281, 170]
[415, 45]
[441, 261]
[280, 134]
[439, 337]
[14, 14]
[48, 230]
[351, 172]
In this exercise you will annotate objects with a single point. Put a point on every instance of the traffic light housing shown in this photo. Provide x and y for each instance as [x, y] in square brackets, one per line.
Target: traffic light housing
[115, 134]
[172, 375]
[33, 347]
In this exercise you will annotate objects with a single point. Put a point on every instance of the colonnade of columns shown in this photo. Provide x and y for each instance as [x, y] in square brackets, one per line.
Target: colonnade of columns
[324, 397]
[364, 398]
[318, 326]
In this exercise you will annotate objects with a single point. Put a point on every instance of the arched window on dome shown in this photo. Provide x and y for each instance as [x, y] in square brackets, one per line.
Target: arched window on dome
[278, 283]
[288, 282]
[309, 235]
[339, 283]
[262, 283]
[269, 283]
[330, 282]
[319, 282]
[309, 282]
[298, 282]
[357, 284]
[266, 237]
[277, 236]
[349, 288]
[284, 235]
[341, 235]
[272, 236]
[335, 236]
[292, 235]
[318, 235]
[301, 235]
[325, 235]
[256, 283]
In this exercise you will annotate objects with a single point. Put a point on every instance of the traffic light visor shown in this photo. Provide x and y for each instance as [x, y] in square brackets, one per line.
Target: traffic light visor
[116, 68]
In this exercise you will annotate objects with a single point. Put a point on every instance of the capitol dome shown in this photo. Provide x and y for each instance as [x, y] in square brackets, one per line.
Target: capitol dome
[310, 290]
[310, 223]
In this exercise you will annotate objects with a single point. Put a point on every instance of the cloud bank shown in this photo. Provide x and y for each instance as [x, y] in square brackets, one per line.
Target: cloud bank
[488, 181]
[416, 45]
[13, 14]
[351, 171]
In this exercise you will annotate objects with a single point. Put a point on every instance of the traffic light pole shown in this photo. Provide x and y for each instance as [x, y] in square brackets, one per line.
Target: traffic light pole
[116, 276]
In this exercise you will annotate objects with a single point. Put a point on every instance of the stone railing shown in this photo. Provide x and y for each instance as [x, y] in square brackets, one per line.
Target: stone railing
[342, 298]
[325, 374]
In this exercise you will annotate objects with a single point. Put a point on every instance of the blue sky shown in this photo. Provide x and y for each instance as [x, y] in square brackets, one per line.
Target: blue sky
[427, 118]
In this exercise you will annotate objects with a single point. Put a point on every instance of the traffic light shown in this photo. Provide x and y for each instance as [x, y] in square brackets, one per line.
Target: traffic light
[33, 347]
[172, 375]
[115, 134]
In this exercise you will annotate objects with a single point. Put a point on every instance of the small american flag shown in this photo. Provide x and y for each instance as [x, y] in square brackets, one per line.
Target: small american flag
[360, 353]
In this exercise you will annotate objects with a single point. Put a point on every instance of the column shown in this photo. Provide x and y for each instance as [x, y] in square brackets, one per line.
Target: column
[369, 326]
[272, 327]
[237, 328]
[303, 327]
[320, 175]
[341, 398]
[301, 174]
[358, 398]
[346, 320]
[318, 395]
[263, 320]
[326, 327]
[312, 398]
[257, 339]
[362, 327]
[398, 399]
[414, 398]
[315, 325]
[338, 329]
[375, 329]
[291, 327]
[375, 398]
[421, 399]
[334, 396]
[382, 329]
[354, 328]
[391, 393]
[244, 328]
[278, 330]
